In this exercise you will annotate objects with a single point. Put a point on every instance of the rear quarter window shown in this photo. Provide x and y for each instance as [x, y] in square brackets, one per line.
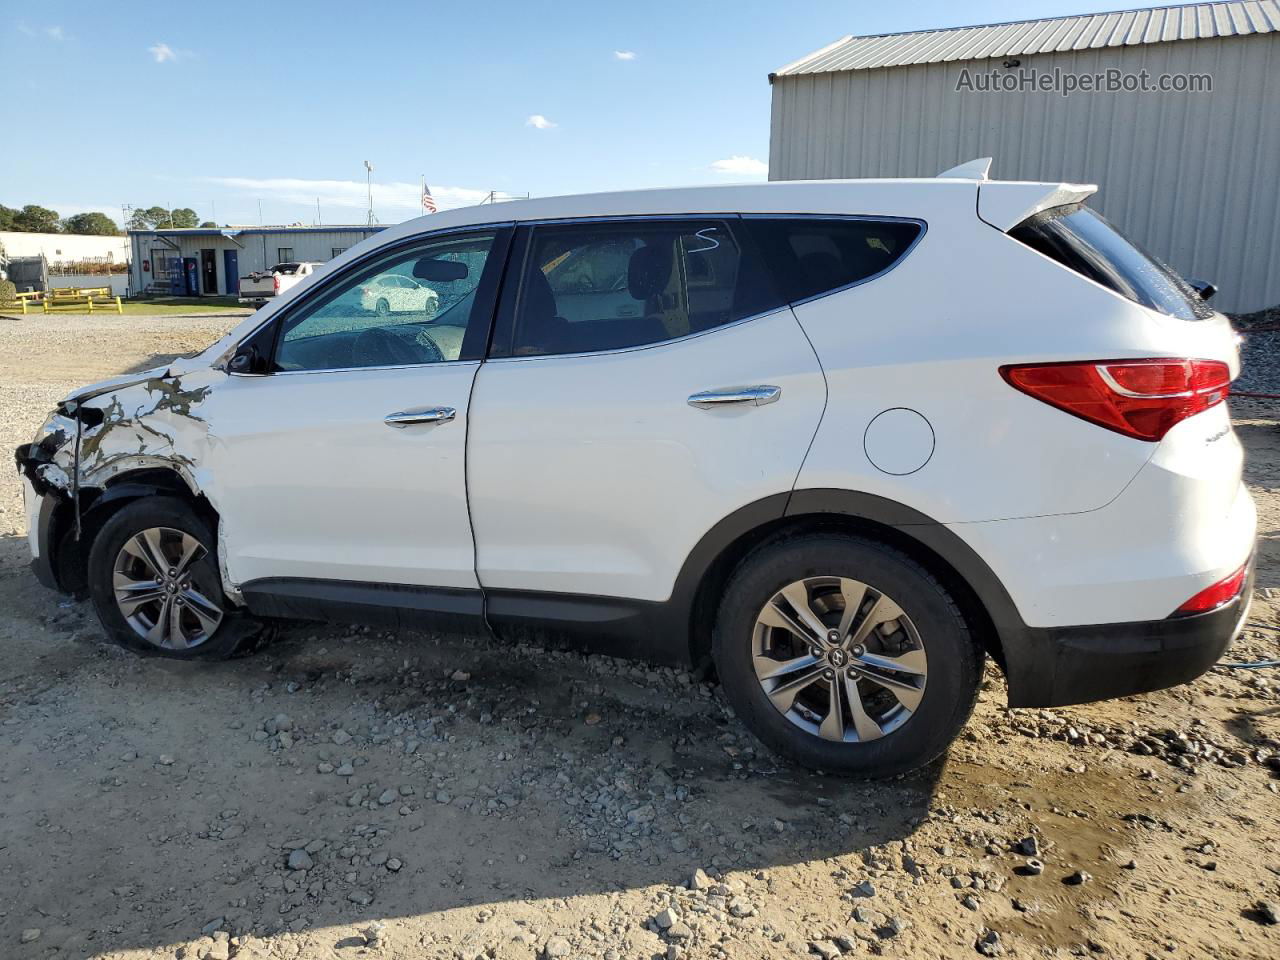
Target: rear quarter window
[1083, 241]
[813, 256]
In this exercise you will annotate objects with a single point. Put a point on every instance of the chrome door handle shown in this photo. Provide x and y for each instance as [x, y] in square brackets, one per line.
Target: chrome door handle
[427, 415]
[757, 396]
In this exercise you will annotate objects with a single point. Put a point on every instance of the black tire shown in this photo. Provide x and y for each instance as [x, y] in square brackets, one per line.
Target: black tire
[236, 631]
[382, 308]
[954, 659]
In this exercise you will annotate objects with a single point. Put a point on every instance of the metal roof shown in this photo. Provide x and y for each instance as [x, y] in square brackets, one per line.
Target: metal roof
[240, 231]
[1197, 21]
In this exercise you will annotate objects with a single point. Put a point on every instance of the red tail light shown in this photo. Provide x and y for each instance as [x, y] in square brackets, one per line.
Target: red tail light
[1210, 598]
[1142, 399]
[275, 280]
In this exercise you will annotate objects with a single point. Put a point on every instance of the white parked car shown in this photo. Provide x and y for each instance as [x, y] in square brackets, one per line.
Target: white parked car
[390, 293]
[840, 440]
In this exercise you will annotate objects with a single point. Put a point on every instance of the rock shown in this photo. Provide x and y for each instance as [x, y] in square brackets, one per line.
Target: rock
[213, 926]
[741, 907]
[674, 951]
[388, 796]
[361, 897]
[1268, 912]
[970, 902]
[556, 947]
[1032, 868]
[233, 831]
[825, 949]
[30, 935]
[341, 737]
[892, 929]
[699, 880]
[666, 918]
[680, 931]
[300, 860]
[345, 770]
[280, 722]
[461, 676]
[989, 944]
[166, 760]
[1028, 847]
[642, 814]
[374, 933]
[861, 916]
[394, 864]
[865, 889]
[324, 767]
[221, 948]
[1077, 878]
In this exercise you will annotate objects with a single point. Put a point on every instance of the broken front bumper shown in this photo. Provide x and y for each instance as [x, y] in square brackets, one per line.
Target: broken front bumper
[40, 510]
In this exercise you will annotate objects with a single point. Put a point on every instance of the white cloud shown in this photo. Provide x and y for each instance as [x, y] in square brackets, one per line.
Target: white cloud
[624, 54]
[539, 122]
[55, 33]
[163, 53]
[348, 193]
[741, 166]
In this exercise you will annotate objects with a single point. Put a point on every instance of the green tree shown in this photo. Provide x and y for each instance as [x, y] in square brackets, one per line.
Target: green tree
[208, 223]
[185, 217]
[95, 224]
[7, 215]
[36, 219]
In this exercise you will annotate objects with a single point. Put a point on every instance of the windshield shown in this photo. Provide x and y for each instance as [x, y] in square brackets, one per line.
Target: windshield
[1082, 240]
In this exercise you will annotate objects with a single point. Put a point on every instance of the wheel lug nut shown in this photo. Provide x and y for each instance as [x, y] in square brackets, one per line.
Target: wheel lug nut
[828, 674]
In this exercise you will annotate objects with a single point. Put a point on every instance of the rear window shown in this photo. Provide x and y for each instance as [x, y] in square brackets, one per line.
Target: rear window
[286, 268]
[1082, 240]
[813, 256]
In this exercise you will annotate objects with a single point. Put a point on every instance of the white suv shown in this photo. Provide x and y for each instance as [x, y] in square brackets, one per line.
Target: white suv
[840, 439]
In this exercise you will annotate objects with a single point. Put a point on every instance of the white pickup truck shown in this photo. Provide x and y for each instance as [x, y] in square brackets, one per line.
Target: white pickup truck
[262, 285]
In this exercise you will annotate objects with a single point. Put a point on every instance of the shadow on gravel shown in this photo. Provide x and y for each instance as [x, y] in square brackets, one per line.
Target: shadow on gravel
[340, 776]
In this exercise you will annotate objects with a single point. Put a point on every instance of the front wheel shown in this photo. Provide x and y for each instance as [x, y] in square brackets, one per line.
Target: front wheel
[382, 308]
[846, 655]
[156, 587]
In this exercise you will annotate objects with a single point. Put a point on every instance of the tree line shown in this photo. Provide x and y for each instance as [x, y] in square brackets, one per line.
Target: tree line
[33, 218]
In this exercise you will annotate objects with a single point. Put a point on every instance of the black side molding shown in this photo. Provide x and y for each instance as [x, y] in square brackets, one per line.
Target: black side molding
[378, 604]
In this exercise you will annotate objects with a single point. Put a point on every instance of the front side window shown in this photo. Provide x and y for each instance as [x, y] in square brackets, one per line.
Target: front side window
[412, 308]
[607, 286]
[812, 256]
[1082, 240]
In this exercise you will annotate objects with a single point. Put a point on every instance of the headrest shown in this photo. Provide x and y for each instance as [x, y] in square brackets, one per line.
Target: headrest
[649, 271]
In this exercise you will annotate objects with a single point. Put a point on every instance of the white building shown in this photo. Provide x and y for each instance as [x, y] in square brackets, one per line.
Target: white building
[1190, 174]
[208, 261]
[59, 248]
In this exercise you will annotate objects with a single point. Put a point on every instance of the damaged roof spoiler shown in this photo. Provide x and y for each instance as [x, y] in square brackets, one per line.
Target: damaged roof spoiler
[1006, 203]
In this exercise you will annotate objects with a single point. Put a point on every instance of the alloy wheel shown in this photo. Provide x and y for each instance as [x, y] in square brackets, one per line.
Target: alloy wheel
[162, 592]
[839, 659]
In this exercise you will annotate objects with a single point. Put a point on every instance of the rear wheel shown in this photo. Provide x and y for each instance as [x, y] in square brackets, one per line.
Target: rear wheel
[845, 654]
[382, 308]
[155, 584]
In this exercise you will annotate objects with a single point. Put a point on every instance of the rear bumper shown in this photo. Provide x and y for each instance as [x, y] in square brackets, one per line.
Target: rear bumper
[1058, 666]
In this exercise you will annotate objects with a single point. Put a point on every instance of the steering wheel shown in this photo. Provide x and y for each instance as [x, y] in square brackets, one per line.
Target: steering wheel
[379, 347]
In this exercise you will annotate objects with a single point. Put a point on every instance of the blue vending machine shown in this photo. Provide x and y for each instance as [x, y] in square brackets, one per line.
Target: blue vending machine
[191, 274]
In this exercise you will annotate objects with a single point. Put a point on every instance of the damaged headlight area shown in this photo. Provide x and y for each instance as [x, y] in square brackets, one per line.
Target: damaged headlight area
[49, 461]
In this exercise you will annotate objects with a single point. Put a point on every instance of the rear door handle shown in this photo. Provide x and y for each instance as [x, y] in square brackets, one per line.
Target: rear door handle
[756, 396]
[426, 415]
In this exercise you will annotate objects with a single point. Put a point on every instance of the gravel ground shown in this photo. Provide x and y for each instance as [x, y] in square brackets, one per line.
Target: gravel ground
[1259, 352]
[351, 793]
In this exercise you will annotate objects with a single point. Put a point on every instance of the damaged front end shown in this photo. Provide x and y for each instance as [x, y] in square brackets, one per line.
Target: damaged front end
[107, 444]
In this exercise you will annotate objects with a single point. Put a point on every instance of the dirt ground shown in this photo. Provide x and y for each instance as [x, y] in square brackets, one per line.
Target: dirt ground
[346, 793]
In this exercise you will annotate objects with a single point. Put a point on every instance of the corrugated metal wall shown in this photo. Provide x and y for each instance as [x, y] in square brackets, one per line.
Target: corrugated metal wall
[1193, 177]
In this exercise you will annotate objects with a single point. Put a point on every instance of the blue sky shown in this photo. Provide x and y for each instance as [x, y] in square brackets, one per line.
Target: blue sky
[219, 105]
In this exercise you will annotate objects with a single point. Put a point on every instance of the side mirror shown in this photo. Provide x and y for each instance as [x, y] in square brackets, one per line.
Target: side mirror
[1202, 287]
[246, 360]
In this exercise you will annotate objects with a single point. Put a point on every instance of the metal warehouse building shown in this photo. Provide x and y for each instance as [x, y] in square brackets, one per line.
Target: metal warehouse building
[210, 261]
[1192, 176]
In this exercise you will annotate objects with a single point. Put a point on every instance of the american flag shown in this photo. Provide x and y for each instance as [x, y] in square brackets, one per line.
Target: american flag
[428, 201]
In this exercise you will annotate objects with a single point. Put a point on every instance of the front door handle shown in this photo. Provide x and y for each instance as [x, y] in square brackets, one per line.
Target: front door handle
[756, 396]
[426, 415]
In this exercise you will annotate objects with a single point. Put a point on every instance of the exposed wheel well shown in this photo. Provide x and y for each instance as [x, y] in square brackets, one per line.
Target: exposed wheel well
[711, 587]
[98, 505]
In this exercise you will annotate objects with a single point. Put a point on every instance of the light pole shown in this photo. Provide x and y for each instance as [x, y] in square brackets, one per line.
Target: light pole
[368, 176]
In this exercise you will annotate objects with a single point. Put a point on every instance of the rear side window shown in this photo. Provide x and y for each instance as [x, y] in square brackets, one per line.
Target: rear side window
[1082, 240]
[608, 286]
[813, 256]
